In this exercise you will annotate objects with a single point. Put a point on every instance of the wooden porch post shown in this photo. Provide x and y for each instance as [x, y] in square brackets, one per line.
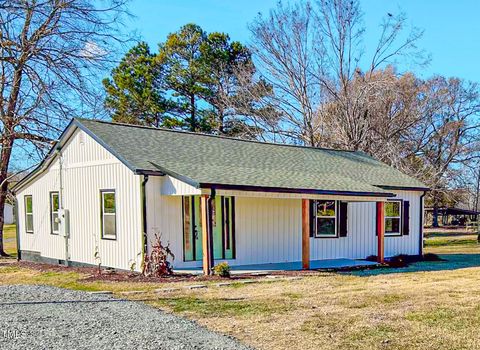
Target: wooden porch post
[206, 236]
[305, 234]
[381, 232]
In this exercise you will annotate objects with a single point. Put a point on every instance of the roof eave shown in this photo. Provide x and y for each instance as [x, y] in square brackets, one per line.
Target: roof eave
[404, 188]
[294, 190]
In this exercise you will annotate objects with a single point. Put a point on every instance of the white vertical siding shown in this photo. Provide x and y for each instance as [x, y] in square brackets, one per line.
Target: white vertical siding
[268, 230]
[164, 217]
[407, 244]
[172, 186]
[88, 168]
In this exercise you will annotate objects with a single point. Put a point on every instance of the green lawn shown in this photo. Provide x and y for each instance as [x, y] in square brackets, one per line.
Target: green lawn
[451, 242]
[9, 236]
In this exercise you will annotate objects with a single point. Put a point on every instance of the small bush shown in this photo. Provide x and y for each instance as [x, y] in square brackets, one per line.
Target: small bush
[156, 264]
[222, 270]
[431, 257]
[398, 261]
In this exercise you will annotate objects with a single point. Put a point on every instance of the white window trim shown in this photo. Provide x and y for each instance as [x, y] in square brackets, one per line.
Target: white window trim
[400, 217]
[103, 193]
[317, 235]
[28, 214]
[54, 212]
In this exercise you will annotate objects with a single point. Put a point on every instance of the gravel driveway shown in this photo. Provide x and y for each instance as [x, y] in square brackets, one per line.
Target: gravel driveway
[41, 317]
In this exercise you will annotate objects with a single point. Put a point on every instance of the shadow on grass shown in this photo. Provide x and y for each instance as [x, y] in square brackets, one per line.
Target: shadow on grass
[450, 262]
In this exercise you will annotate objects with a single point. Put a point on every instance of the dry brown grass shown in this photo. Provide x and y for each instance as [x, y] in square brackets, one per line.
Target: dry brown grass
[427, 306]
[421, 310]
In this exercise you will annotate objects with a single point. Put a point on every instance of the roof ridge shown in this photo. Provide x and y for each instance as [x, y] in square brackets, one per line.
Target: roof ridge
[220, 136]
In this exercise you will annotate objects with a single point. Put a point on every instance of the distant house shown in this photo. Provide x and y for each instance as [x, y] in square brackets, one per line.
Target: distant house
[106, 189]
[8, 215]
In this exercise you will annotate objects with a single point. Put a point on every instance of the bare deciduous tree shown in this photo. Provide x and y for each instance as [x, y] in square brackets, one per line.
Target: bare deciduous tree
[51, 54]
[311, 51]
[448, 138]
[285, 48]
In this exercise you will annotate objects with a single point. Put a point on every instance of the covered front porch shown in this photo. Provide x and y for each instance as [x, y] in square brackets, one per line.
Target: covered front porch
[263, 229]
[333, 213]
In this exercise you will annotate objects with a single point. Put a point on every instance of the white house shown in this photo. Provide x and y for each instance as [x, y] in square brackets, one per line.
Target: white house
[106, 189]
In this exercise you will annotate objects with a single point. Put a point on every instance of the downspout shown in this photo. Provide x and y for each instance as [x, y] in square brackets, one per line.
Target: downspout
[144, 217]
[60, 201]
[420, 232]
[17, 230]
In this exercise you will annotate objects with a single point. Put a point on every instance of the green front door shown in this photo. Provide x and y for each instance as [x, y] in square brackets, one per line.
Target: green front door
[222, 228]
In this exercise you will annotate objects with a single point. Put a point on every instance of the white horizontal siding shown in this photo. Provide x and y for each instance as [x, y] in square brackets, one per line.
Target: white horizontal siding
[88, 168]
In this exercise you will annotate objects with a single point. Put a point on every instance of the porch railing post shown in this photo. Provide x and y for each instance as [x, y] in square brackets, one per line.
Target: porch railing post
[305, 234]
[207, 262]
[381, 232]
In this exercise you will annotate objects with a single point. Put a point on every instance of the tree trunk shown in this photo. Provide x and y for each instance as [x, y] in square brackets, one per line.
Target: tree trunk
[435, 212]
[193, 121]
[477, 191]
[4, 162]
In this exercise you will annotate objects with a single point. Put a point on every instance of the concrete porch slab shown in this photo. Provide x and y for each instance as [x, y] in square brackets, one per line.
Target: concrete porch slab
[287, 266]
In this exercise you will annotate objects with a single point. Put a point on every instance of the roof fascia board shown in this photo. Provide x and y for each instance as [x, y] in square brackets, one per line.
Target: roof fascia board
[295, 190]
[404, 188]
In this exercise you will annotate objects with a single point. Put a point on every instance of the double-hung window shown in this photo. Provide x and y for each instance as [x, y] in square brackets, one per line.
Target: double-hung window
[393, 218]
[108, 214]
[325, 218]
[28, 214]
[54, 205]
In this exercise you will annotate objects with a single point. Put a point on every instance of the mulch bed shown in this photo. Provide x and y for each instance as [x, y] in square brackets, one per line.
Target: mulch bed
[110, 275]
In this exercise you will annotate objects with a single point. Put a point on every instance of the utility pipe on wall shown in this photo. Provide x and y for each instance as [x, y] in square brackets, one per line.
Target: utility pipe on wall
[60, 202]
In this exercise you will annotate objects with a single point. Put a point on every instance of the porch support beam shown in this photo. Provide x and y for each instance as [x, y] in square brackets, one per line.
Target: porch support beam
[305, 234]
[381, 232]
[207, 243]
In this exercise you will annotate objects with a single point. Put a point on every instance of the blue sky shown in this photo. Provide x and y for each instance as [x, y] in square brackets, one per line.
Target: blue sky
[452, 28]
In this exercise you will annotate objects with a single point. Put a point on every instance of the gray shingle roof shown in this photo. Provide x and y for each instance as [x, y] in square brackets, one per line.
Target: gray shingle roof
[203, 160]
